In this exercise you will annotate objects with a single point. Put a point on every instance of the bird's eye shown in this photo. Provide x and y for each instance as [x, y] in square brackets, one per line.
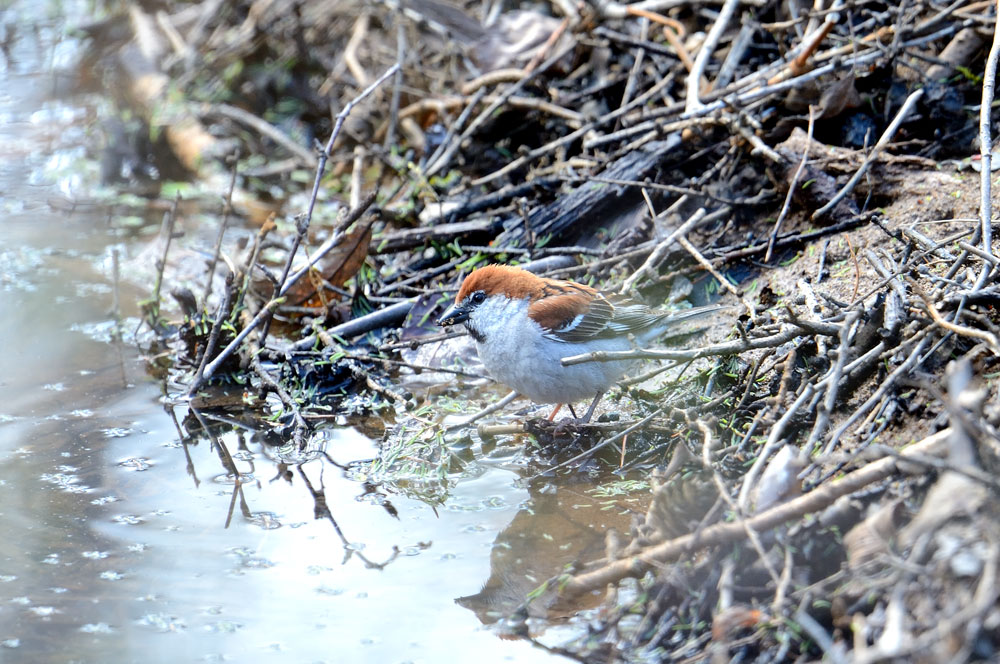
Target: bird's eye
[478, 297]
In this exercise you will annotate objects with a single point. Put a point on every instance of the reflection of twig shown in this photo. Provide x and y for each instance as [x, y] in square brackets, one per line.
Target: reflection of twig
[230, 467]
[321, 510]
[184, 442]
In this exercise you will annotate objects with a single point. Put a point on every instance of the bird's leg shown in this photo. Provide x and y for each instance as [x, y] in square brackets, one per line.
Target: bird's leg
[552, 415]
[593, 405]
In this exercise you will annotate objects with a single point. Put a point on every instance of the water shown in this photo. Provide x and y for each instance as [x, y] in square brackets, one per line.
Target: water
[116, 545]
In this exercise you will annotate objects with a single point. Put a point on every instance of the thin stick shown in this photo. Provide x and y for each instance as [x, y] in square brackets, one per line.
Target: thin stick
[986, 153]
[890, 131]
[487, 112]
[720, 485]
[791, 187]
[226, 212]
[337, 125]
[707, 48]
[213, 336]
[492, 408]
[723, 282]
[263, 128]
[660, 251]
[982, 335]
[268, 309]
[775, 441]
[397, 84]
[883, 389]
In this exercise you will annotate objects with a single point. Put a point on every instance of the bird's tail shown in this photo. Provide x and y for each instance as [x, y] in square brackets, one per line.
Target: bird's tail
[694, 312]
[670, 323]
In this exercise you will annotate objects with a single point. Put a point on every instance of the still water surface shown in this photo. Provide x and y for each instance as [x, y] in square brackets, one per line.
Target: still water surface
[115, 546]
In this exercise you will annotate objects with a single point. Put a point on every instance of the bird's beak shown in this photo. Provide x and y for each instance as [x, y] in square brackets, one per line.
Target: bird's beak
[454, 315]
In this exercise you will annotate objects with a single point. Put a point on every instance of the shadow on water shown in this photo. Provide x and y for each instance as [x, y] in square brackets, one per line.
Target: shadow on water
[132, 535]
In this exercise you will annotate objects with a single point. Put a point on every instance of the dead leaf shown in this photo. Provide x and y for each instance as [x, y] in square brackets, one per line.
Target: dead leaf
[342, 263]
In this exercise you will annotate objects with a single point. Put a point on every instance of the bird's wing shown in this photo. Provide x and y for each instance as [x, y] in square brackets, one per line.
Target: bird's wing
[571, 312]
[592, 323]
[578, 317]
[620, 317]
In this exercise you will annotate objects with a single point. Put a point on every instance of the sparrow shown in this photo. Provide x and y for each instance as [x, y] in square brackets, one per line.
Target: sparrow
[523, 325]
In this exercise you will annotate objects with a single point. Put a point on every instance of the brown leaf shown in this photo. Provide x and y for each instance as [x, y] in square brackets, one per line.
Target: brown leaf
[837, 97]
[342, 263]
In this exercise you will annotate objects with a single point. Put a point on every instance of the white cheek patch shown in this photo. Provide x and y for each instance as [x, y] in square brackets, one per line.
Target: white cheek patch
[497, 317]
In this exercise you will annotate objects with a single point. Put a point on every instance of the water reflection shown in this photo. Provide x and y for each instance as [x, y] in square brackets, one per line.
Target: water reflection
[136, 533]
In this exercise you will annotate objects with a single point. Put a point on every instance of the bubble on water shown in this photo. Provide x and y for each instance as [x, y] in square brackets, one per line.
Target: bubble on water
[65, 481]
[225, 478]
[97, 628]
[162, 622]
[265, 520]
[257, 563]
[138, 464]
[224, 627]
[128, 519]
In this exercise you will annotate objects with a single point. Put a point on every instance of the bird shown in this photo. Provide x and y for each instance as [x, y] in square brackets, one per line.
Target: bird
[524, 325]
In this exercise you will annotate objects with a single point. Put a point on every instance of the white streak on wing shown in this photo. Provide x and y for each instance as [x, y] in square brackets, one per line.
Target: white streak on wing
[571, 325]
